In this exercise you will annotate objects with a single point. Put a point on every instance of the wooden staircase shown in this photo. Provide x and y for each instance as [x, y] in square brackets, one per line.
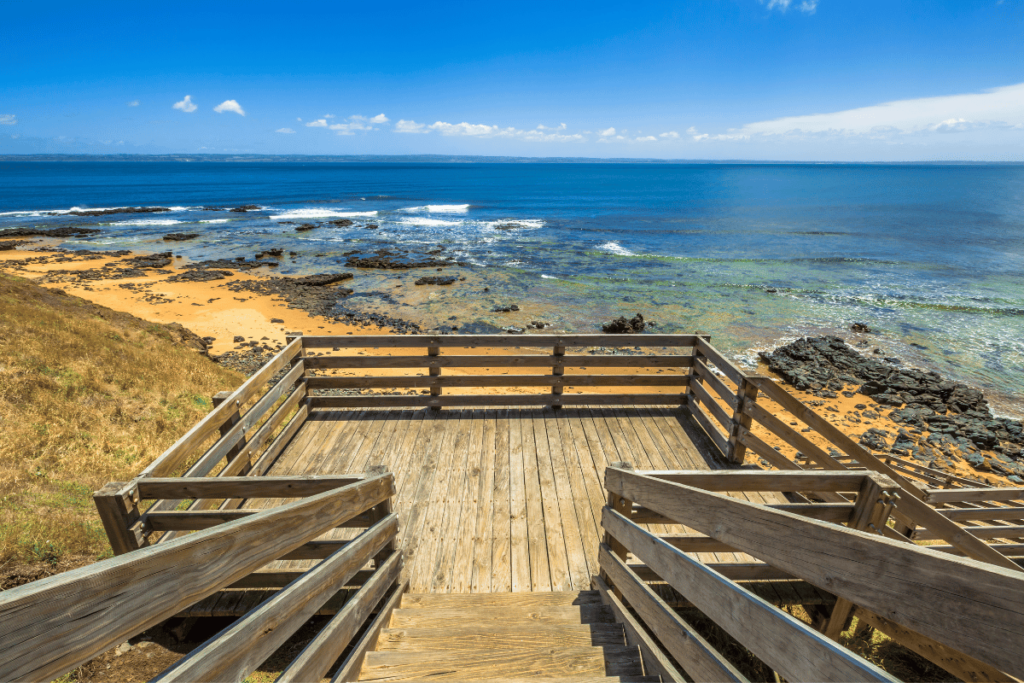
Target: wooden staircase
[503, 637]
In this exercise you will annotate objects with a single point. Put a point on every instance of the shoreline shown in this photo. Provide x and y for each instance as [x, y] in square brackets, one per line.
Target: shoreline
[244, 328]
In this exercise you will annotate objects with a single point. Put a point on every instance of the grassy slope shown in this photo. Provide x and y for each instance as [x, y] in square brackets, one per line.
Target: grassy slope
[87, 395]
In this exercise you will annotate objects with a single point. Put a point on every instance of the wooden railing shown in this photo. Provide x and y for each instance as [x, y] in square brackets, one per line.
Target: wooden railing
[670, 386]
[964, 615]
[50, 626]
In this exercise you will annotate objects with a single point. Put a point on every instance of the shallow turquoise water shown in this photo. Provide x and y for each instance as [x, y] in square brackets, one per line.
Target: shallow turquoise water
[932, 257]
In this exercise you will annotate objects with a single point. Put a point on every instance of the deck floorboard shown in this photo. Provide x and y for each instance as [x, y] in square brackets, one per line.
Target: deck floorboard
[495, 500]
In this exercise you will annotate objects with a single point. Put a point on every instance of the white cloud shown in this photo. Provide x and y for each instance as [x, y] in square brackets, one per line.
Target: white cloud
[404, 126]
[606, 132]
[647, 138]
[692, 130]
[806, 6]
[186, 105]
[229, 105]
[319, 123]
[379, 118]
[133, 103]
[698, 138]
[299, 120]
[8, 119]
[999, 108]
[328, 116]
[670, 135]
[560, 126]
[287, 131]
[468, 129]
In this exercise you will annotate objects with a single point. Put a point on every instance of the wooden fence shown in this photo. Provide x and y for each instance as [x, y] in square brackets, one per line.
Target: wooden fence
[964, 615]
[50, 626]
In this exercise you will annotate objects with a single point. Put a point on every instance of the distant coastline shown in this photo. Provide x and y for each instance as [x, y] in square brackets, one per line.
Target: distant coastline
[461, 159]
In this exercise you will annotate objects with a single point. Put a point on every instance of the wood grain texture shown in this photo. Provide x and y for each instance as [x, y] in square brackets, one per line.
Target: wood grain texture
[350, 668]
[391, 341]
[500, 361]
[966, 604]
[781, 641]
[52, 625]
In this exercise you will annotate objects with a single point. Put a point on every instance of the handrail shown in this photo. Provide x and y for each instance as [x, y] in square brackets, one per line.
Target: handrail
[53, 625]
[967, 605]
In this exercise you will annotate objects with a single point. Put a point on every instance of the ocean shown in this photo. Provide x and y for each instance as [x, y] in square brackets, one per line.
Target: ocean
[930, 257]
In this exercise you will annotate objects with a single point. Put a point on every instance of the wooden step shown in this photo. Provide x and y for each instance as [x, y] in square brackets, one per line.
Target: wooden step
[461, 600]
[509, 636]
[524, 617]
[548, 662]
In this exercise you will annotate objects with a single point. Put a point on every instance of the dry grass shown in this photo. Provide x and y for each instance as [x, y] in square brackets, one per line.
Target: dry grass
[87, 396]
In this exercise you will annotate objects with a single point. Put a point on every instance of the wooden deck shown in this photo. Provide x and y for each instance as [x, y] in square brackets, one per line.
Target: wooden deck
[496, 499]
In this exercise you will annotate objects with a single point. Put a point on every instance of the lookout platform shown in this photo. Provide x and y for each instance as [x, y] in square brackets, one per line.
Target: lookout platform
[505, 533]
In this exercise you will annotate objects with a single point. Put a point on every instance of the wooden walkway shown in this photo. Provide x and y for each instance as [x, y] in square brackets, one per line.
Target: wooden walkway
[496, 499]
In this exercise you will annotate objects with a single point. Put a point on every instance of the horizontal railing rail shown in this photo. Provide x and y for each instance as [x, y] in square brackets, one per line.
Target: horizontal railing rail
[646, 388]
[50, 626]
[962, 614]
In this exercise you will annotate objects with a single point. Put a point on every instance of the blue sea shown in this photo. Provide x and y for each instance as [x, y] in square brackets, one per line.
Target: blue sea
[931, 257]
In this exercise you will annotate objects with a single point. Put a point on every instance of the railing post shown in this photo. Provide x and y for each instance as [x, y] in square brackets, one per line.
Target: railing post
[625, 508]
[557, 371]
[745, 392]
[118, 509]
[871, 511]
[379, 512]
[433, 351]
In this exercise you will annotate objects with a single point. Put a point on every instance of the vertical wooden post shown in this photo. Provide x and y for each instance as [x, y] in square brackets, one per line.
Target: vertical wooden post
[435, 371]
[117, 507]
[289, 338]
[379, 512]
[557, 371]
[745, 392]
[871, 511]
[625, 508]
[234, 419]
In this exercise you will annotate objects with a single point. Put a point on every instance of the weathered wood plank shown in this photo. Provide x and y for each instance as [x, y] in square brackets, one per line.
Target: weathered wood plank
[966, 604]
[242, 487]
[496, 381]
[52, 625]
[489, 400]
[697, 657]
[391, 341]
[744, 480]
[500, 361]
[778, 639]
[350, 668]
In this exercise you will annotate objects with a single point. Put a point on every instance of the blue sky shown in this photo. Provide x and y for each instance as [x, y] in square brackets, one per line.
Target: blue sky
[703, 79]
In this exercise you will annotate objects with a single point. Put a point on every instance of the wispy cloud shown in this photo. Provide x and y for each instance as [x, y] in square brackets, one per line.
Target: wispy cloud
[379, 118]
[670, 135]
[806, 6]
[287, 131]
[186, 105]
[8, 119]
[999, 108]
[606, 132]
[229, 105]
[352, 124]
[319, 123]
[483, 130]
[133, 103]
[404, 126]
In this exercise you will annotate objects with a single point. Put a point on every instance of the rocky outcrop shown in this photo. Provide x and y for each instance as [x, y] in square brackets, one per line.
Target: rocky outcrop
[245, 208]
[180, 236]
[66, 231]
[201, 276]
[392, 260]
[437, 280]
[957, 417]
[123, 209]
[188, 338]
[623, 326]
[161, 260]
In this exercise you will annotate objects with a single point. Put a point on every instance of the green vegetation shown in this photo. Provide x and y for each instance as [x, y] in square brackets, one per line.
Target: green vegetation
[87, 395]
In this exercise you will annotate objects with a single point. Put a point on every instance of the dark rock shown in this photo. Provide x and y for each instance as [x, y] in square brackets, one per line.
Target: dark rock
[319, 280]
[11, 244]
[180, 236]
[238, 339]
[161, 260]
[622, 325]
[276, 321]
[505, 309]
[124, 209]
[437, 280]
[875, 439]
[306, 227]
[371, 226]
[200, 276]
[860, 327]
[390, 260]
[244, 209]
[341, 223]
[269, 253]
[66, 231]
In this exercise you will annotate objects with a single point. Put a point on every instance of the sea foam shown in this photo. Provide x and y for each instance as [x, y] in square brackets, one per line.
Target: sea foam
[616, 248]
[306, 214]
[429, 222]
[439, 208]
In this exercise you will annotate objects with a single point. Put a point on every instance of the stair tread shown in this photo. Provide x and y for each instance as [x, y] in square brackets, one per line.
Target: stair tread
[525, 616]
[500, 636]
[452, 600]
[542, 662]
